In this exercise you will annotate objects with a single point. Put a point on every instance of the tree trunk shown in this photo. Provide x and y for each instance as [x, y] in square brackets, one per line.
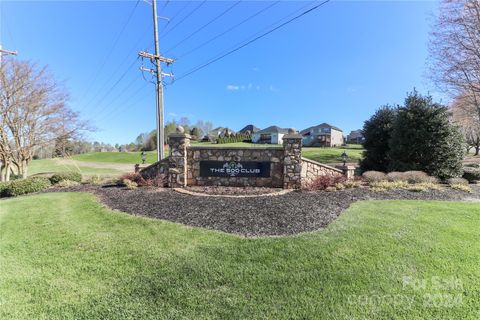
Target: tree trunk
[7, 171]
[23, 169]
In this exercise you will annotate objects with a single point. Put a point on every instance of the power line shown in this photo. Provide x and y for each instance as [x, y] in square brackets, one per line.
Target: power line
[175, 16]
[165, 33]
[228, 30]
[104, 62]
[250, 41]
[116, 82]
[205, 25]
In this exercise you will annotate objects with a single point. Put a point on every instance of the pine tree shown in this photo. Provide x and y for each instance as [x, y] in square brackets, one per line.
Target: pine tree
[377, 132]
[423, 138]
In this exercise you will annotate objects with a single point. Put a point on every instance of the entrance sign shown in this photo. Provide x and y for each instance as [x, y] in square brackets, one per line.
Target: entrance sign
[235, 169]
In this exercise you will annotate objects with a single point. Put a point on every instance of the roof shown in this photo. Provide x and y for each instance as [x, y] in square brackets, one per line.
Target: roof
[273, 129]
[250, 128]
[322, 125]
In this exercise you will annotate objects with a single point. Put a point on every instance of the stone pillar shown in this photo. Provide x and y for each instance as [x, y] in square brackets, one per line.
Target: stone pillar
[292, 163]
[348, 171]
[177, 159]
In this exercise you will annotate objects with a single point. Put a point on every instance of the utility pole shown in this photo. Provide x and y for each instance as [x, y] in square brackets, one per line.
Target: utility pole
[5, 52]
[157, 60]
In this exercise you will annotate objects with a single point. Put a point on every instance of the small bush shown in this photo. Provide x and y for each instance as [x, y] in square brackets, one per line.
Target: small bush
[374, 176]
[471, 174]
[339, 186]
[417, 188]
[473, 165]
[95, 179]
[416, 176]
[67, 175]
[395, 176]
[331, 189]
[67, 184]
[131, 185]
[349, 184]
[461, 187]
[18, 187]
[323, 182]
[387, 185]
[457, 181]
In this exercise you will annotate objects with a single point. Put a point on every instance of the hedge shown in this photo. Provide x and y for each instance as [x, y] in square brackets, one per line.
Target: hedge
[67, 175]
[471, 174]
[18, 187]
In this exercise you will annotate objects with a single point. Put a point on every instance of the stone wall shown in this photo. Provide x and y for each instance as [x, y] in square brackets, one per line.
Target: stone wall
[288, 169]
[195, 154]
[312, 169]
[157, 170]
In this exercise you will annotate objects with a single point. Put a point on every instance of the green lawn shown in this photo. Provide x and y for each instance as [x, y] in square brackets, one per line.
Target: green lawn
[333, 155]
[53, 165]
[116, 157]
[65, 256]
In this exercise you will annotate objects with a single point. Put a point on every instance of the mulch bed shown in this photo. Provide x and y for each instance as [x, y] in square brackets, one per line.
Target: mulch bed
[287, 214]
[229, 191]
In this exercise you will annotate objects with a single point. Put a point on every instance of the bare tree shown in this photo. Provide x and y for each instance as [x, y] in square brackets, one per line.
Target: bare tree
[33, 112]
[455, 59]
[464, 113]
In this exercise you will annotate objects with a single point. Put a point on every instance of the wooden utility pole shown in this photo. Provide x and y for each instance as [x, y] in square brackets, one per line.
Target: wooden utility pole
[157, 60]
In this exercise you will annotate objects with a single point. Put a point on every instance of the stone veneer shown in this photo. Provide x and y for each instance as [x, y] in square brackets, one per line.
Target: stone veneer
[312, 169]
[288, 169]
[274, 155]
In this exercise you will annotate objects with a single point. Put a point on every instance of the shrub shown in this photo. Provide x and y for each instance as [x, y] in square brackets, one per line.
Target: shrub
[29, 185]
[67, 184]
[67, 175]
[457, 181]
[3, 187]
[424, 138]
[416, 176]
[377, 132]
[471, 174]
[339, 186]
[388, 185]
[323, 182]
[331, 189]
[461, 187]
[95, 179]
[349, 184]
[395, 176]
[131, 185]
[374, 176]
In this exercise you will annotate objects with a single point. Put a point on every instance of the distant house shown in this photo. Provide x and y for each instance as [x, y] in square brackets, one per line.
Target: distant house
[355, 136]
[216, 133]
[322, 135]
[249, 128]
[272, 134]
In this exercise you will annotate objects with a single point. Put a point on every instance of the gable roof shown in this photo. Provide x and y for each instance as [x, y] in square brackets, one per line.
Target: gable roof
[250, 128]
[322, 125]
[273, 129]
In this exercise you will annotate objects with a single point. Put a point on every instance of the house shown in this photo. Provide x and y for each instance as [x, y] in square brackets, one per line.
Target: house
[272, 134]
[249, 129]
[355, 136]
[322, 135]
[216, 133]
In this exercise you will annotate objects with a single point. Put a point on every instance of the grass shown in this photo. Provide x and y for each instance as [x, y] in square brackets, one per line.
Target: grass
[65, 256]
[116, 157]
[323, 155]
[333, 155]
[53, 165]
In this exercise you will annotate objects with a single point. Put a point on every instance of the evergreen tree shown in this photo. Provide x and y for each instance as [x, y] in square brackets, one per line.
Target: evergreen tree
[423, 138]
[377, 132]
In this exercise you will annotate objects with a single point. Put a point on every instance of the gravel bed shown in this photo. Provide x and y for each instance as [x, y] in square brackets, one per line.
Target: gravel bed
[287, 214]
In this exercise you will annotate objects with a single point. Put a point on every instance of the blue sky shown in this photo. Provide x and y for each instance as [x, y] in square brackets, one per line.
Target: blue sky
[337, 64]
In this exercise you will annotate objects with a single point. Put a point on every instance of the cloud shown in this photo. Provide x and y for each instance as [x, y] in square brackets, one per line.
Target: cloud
[172, 114]
[255, 69]
[232, 87]
[352, 89]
